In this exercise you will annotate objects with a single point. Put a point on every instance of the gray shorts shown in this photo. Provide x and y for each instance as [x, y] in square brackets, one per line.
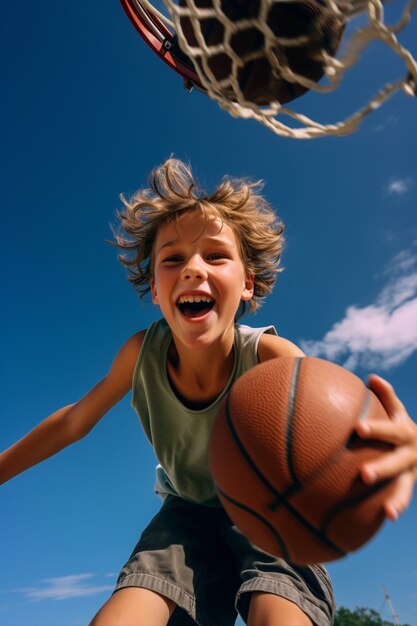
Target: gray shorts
[195, 556]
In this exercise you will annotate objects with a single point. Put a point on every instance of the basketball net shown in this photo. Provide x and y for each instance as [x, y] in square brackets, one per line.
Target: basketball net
[335, 67]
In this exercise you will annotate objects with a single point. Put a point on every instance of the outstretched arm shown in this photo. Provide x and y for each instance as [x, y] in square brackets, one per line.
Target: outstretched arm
[401, 462]
[73, 422]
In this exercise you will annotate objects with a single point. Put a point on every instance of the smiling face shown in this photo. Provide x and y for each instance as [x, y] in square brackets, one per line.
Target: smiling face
[199, 278]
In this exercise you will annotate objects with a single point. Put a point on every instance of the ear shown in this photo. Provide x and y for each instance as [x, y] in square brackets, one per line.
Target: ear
[153, 292]
[247, 291]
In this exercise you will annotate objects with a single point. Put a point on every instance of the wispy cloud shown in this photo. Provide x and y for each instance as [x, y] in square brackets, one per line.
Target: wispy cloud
[62, 588]
[398, 186]
[383, 334]
[389, 122]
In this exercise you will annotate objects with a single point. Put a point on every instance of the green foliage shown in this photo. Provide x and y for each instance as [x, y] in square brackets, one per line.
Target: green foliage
[360, 617]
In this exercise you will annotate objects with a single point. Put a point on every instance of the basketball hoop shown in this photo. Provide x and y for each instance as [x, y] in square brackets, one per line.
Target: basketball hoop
[157, 31]
[182, 42]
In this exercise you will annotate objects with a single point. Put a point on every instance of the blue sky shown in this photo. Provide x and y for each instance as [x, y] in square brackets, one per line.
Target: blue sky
[87, 111]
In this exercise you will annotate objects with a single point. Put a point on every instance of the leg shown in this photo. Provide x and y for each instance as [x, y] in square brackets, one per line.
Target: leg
[277, 593]
[135, 606]
[266, 609]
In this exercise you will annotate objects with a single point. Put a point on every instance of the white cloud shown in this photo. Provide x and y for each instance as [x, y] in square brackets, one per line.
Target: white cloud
[399, 186]
[63, 587]
[390, 121]
[381, 335]
[402, 263]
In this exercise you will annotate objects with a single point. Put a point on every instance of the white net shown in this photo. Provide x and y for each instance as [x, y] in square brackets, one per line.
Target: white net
[193, 19]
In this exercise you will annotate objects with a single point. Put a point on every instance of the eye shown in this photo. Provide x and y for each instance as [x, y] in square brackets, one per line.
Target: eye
[216, 256]
[173, 258]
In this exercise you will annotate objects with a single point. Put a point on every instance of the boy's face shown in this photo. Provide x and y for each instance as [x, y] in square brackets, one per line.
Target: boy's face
[199, 277]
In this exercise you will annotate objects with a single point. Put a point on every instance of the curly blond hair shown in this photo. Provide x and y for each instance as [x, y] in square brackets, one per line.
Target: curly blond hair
[173, 191]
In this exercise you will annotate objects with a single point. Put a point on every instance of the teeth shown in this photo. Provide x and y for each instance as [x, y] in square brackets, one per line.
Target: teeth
[197, 298]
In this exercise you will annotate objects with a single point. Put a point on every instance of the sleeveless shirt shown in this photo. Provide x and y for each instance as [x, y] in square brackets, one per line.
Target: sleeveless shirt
[180, 435]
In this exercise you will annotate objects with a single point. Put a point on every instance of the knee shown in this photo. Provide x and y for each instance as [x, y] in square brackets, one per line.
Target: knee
[96, 621]
[266, 609]
[134, 606]
[114, 614]
[101, 618]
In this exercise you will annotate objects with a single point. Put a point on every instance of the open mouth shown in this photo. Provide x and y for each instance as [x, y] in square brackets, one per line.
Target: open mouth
[195, 306]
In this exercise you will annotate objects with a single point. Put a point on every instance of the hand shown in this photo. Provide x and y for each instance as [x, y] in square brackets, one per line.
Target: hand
[399, 463]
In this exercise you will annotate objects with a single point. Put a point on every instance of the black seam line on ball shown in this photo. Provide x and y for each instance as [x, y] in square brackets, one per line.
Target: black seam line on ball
[363, 413]
[296, 484]
[340, 508]
[290, 422]
[279, 498]
[282, 547]
[365, 407]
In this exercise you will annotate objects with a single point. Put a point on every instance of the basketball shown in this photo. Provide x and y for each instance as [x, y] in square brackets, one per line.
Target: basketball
[285, 459]
[307, 27]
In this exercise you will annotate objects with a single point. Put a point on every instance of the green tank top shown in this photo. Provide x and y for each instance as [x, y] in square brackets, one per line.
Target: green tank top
[180, 435]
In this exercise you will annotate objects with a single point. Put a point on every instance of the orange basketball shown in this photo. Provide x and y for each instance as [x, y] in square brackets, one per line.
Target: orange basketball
[311, 23]
[285, 459]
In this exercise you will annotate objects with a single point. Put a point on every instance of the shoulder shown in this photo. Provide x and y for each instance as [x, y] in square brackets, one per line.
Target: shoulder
[272, 346]
[126, 358]
[131, 348]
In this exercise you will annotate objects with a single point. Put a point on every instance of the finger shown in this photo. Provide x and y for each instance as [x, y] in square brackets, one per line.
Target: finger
[386, 394]
[396, 433]
[388, 465]
[400, 497]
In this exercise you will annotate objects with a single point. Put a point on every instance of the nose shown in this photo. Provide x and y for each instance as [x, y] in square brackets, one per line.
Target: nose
[194, 268]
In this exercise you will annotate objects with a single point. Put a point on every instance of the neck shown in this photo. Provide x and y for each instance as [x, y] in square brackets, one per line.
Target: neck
[199, 376]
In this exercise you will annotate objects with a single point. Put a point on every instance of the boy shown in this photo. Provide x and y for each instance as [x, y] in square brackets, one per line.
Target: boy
[204, 259]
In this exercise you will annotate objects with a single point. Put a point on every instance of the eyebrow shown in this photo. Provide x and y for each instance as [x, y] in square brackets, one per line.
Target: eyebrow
[214, 240]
